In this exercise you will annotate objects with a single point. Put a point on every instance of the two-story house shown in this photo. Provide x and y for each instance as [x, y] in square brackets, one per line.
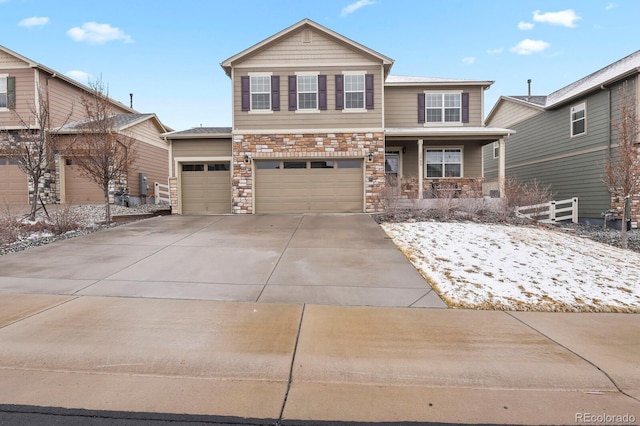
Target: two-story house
[320, 125]
[565, 139]
[24, 85]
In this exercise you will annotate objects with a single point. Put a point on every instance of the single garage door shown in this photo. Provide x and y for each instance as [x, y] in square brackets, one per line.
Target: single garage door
[77, 188]
[13, 183]
[323, 185]
[206, 188]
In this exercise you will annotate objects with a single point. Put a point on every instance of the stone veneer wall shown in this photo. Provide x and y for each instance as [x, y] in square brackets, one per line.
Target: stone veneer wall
[463, 187]
[307, 146]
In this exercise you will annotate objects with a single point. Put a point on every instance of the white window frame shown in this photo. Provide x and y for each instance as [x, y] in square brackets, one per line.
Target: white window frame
[443, 108]
[363, 91]
[443, 148]
[266, 75]
[6, 92]
[299, 91]
[496, 150]
[582, 106]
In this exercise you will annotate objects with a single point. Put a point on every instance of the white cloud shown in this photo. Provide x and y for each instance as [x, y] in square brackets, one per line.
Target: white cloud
[528, 46]
[469, 60]
[525, 26]
[355, 6]
[611, 6]
[34, 21]
[495, 51]
[95, 33]
[81, 76]
[565, 18]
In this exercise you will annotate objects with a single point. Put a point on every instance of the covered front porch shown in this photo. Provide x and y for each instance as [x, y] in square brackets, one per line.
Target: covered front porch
[424, 163]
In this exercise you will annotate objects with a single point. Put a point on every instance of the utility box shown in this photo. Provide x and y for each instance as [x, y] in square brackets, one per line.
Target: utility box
[143, 184]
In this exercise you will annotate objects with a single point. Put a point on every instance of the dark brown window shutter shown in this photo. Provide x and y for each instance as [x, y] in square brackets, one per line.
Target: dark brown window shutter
[11, 92]
[275, 93]
[421, 107]
[368, 91]
[465, 107]
[339, 91]
[293, 93]
[245, 88]
[322, 92]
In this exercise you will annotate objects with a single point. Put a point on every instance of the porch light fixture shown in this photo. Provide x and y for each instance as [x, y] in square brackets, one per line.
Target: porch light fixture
[371, 156]
[246, 158]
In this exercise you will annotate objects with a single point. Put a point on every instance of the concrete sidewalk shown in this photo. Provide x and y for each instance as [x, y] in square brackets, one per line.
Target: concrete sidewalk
[308, 362]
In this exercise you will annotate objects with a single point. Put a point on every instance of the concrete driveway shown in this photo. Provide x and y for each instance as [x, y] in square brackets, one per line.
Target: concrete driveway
[320, 259]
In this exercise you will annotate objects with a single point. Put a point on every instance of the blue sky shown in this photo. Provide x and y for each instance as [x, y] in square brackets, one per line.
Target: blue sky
[167, 53]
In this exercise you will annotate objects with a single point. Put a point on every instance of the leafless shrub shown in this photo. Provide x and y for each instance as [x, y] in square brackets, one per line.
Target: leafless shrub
[64, 220]
[9, 231]
[391, 195]
[520, 194]
[444, 193]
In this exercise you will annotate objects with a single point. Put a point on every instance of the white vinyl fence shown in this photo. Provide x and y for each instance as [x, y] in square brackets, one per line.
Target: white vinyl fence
[161, 193]
[553, 211]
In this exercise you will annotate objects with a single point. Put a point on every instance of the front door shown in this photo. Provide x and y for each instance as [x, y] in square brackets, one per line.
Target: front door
[392, 167]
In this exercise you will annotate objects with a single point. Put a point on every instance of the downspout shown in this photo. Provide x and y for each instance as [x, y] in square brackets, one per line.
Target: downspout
[602, 87]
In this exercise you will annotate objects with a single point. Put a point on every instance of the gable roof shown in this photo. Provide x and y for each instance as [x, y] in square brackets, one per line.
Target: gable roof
[404, 80]
[533, 102]
[228, 63]
[55, 74]
[618, 70]
[200, 132]
[120, 122]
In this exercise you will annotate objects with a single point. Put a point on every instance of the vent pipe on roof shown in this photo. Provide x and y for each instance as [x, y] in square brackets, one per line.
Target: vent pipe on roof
[529, 90]
[131, 100]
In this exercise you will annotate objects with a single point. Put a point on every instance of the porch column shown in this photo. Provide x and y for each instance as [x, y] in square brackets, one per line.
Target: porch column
[420, 172]
[501, 166]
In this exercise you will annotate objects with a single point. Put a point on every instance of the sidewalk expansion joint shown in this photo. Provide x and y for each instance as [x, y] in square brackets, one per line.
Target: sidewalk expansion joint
[293, 360]
[588, 361]
[279, 258]
[39, 312]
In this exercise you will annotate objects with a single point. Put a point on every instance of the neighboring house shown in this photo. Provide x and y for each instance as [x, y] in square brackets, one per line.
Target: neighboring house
[319, 125]
[22, 83]
[565, 139]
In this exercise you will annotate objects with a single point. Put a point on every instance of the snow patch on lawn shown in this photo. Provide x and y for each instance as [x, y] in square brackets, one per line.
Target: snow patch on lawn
[489, 266]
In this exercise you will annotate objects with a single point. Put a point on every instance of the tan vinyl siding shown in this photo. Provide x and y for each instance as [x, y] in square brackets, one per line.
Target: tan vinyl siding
[294, 52]
[327, 119]
[510, 113]
[401, 104]
[153, 161]
[10, 61]
[25, 98]
[201, 148]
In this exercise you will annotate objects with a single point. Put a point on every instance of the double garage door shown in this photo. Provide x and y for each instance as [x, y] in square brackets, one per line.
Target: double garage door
[289, 186]
[301, 186]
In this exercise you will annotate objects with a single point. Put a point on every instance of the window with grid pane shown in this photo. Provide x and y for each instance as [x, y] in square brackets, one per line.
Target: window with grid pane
[261, 92]
[444, 162]
[354, 91]
[443, 107]
[578, 119]
[3, 92]
[307, 92]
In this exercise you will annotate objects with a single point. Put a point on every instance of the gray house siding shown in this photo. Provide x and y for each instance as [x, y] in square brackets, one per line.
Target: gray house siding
[543, 148]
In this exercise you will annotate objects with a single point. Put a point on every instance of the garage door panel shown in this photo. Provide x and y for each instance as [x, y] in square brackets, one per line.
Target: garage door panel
[13, 183]
[206, 189]
[314, 189]
[78, 189]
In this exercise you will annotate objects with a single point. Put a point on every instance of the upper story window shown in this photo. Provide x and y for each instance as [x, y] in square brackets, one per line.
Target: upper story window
[260, 93]
[443, 107]
[307, 92]
[443, 162]
[447, 107]
[354, 91]
[578, 119]
[3, 91]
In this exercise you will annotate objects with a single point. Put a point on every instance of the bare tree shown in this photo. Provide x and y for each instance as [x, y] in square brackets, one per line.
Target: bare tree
[623, 166]
[102, 154]
[34, 147]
